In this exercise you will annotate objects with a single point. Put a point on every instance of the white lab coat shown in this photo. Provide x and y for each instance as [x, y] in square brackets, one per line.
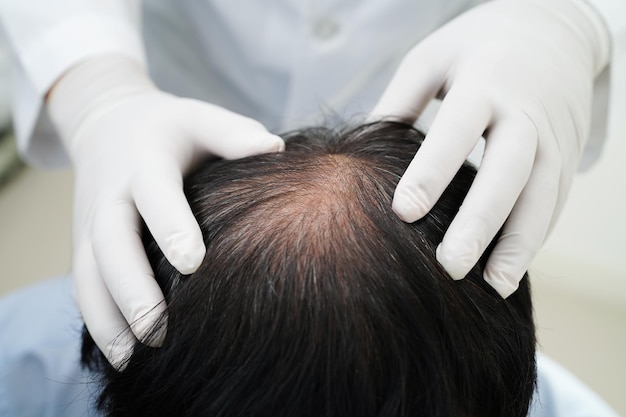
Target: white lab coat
[285, 63]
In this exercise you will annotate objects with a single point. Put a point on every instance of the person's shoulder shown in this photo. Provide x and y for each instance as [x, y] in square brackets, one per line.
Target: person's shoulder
[40, 371]
[42, 309]
[561, 394]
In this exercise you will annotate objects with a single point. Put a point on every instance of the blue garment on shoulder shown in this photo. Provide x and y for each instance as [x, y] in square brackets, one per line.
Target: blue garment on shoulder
[40, 339]
[40, 373]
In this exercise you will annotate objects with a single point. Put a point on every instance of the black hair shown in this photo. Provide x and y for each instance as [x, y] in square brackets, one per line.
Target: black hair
[315, 299]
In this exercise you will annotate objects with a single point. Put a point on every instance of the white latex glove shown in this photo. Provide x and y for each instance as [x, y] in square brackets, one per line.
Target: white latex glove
[519, 72]
[130, 145]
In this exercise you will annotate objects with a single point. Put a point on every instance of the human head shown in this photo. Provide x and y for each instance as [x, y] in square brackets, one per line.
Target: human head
[314, 299]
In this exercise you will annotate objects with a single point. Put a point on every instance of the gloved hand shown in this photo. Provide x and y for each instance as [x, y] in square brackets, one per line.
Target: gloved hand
[519, 72]
[130, 145]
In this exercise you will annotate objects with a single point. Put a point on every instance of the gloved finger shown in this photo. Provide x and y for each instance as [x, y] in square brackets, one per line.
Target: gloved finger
[122, 262]
[505, 169]
[105, 323]
[159, 197]
[417, 80]
[527, 226]
[225, 133]
[457, 128]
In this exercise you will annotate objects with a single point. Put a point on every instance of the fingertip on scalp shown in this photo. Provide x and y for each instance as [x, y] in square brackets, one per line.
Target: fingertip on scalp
[408, 208]
[117, 361]
[505, 284]
[263, 142]
[186, 254]
[275, 143]
[118, 351]
[457, 265]
[150, 326]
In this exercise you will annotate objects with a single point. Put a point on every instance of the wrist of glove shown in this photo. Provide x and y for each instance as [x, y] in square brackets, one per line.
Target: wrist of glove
[91, 89]
[583, 23]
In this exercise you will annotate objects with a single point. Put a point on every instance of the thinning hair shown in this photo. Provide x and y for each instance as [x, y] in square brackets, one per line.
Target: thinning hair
[315, 299]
